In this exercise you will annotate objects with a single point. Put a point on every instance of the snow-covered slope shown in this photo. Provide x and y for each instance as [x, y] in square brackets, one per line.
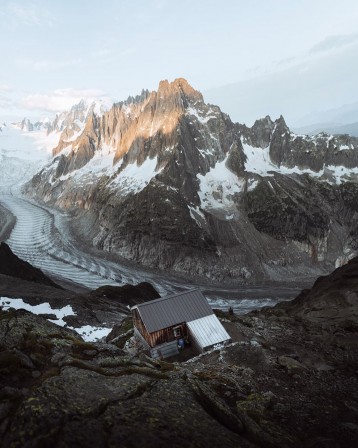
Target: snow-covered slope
[22, 154]
[25, 146]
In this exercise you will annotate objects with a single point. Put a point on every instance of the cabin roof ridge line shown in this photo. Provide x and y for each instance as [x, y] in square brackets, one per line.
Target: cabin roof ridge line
[141, 305]
[174, 309]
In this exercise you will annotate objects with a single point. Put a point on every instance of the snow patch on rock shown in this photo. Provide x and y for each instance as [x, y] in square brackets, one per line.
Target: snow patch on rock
[197, 214]
[89, 333]
[203, 119]
[43, 308]
[218, 186]
[134, 178]
[258, 160]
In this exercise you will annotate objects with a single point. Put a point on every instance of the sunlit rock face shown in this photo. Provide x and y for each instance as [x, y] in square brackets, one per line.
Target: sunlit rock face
[171, 182]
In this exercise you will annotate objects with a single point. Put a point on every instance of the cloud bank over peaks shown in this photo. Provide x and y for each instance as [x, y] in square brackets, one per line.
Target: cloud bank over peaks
[62, 99]
[334, 42]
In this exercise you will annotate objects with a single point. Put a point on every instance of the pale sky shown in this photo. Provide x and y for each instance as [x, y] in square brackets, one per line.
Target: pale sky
[251, 57]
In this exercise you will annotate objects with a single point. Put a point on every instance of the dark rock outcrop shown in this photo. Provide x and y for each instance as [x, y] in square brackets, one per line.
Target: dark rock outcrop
[285, 381]
[108, 305]
[13, 266]
[331, 302]
[127, 295]
[57, 390]
[7, 222]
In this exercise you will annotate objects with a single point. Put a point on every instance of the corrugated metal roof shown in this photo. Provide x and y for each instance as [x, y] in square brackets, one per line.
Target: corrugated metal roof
[168, 311]
[208, 331]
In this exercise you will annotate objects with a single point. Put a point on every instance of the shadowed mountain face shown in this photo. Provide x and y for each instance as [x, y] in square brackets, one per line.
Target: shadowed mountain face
[171, 182]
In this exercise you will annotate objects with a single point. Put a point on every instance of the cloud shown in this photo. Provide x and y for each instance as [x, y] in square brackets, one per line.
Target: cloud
[102, 52]
[334, 42]
[46, 64]
[329, 47]
[29, 14]
[60, 99]
[317, 82]
[5, 88]
[160, 4]
[286, 61]
[6, 102]
[109, 50]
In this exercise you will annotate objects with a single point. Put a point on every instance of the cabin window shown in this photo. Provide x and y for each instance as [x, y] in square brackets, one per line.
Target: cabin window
[177, 332]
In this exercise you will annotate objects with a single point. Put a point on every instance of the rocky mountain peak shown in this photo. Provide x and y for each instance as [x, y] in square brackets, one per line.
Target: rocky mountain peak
[261, 131]
[181, 87]
[26, 125]
[151, 120]
[135, 99]
[126, 126]
[281, 123]
[266, 121]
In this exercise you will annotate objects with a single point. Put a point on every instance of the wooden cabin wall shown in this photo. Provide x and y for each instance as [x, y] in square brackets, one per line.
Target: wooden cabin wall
[137, 322]
[160, 336]
[166, 335]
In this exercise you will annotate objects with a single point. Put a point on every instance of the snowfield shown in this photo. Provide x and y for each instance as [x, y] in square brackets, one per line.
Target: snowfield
[135, 177]
[217, 188]
[22, 154]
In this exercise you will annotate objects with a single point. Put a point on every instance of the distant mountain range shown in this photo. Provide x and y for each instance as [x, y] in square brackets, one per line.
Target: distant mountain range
[68, 121]
[342, 120]
[331, 128]
[168, 181]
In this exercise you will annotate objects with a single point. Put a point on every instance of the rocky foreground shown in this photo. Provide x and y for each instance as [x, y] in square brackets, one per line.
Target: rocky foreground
[289, 379]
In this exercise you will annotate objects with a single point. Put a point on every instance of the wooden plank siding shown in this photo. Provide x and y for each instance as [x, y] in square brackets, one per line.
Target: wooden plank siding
[160, 336]
[137, 322]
